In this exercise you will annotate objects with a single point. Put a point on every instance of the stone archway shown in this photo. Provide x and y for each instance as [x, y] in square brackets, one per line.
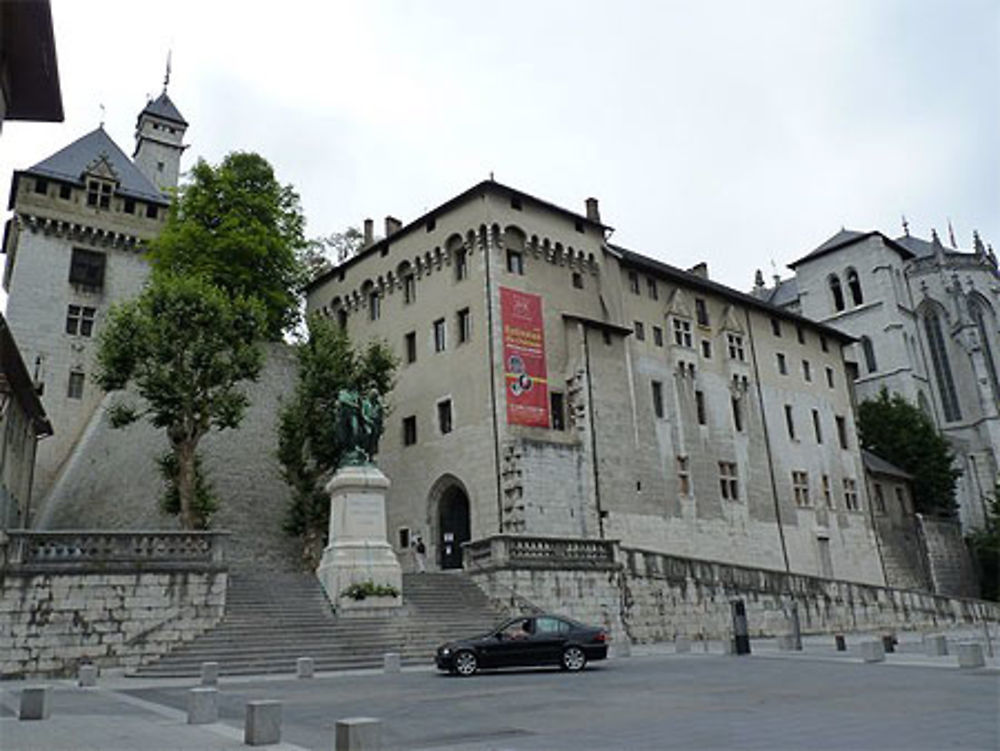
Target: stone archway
[453, 521]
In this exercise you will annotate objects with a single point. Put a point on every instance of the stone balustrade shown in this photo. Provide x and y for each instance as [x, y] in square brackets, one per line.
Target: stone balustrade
[519, 551]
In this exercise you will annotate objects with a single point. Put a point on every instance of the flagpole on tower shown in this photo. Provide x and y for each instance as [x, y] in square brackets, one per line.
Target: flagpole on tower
[166, 77]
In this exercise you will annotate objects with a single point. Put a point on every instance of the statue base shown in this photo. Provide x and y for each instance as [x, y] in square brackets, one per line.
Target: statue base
[358, 552]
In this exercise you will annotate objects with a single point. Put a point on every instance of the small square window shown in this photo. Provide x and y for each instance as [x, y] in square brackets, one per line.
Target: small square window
[515, 203]
[41, 186]
[431, 224]
[160, 166]
[65, 191]
[579, 226]
[151, 211]
[444, 416]
[515, 262]
[409, 430]
[129, 206]
[75, 388]
[577, 280]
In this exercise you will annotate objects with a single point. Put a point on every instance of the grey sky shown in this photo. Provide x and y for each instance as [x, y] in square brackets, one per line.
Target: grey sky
[732, 132]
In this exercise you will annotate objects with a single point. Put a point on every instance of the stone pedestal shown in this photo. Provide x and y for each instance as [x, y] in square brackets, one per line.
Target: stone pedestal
[358, 550]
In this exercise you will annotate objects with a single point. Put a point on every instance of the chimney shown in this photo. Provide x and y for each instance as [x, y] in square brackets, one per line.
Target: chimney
[392, 226]
[699, 269]
[369, 233]
[593, 212]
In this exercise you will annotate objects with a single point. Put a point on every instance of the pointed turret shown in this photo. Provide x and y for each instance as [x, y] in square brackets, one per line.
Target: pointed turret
[159, 133]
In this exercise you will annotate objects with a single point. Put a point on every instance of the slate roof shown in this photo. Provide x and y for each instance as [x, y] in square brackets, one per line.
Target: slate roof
[846, 237]
[68, 164]
[919, 248]
[878, 465]
[785, 292]
[164, 108]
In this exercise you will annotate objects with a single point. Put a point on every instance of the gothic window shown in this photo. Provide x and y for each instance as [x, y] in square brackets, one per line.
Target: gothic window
[854, 284]
[86, 269]
[869, 352]
[980, 314]
[836, 292]
[942, 368]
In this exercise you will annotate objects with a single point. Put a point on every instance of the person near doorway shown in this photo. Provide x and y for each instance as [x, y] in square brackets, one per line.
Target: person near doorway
[420, 554]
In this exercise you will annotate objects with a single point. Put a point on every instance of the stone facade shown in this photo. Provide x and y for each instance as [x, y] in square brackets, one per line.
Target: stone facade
[949, 563]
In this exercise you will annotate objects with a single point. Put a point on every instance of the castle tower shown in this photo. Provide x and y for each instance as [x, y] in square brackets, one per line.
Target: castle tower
[159, 131]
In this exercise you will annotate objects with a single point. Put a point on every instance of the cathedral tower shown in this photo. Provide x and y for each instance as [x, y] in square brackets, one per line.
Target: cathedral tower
[159, 131]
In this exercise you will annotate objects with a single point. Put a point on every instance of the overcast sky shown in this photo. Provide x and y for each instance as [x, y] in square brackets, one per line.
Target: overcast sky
[739, 133]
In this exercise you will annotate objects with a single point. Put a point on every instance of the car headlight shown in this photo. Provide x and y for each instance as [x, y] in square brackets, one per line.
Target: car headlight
[445, 651]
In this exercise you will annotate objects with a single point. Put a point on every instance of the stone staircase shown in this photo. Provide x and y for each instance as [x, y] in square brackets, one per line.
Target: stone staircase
[273, 619]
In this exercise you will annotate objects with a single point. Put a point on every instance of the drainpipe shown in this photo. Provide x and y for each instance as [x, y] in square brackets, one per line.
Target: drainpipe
[493, 376]
[593, 433]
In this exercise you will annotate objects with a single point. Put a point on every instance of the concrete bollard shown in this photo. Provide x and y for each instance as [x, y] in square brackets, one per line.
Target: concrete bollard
[35, 703]
[391, 662]
[209, 674]
[358, 734]
[786, 642]
[620, 648]
[87, 677]
[872, 651]
[841, 642]
[682, 645]
[936, 645]
[970, 655]
[305, 667]
[262, 724]
[203, 706]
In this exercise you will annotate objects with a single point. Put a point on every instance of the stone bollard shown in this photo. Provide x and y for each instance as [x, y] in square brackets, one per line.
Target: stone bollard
[358, 734]
[936, 645]
[203, 706]
[87, 677]
[262, 724]
[305, 667]
[35, 703]
[970, 655]
[786, 642]
[682, 645]
[209, 674]
[620, 648]
[872, 651]
[391, 662]
[841, 642]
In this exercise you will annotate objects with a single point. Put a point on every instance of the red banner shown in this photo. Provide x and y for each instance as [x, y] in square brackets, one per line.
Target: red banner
[525, 378]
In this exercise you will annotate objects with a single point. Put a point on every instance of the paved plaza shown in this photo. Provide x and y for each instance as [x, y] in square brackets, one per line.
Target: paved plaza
[654, 699]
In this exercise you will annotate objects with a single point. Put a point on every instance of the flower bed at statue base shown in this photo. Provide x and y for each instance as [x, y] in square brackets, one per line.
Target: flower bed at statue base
[363, 599]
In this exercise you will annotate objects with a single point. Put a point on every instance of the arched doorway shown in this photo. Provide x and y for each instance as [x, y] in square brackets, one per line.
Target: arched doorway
[453, 526]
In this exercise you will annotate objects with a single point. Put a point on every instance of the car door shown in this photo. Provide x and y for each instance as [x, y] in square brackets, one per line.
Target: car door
[508, 645]
[547, 640]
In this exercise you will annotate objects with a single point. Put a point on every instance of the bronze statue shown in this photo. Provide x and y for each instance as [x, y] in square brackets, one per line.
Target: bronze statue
[359, 426]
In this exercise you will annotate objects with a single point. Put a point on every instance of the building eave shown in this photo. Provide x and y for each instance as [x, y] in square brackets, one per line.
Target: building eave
[30, 65]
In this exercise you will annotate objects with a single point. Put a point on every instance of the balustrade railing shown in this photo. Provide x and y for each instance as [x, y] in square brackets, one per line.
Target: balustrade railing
[548, 552]
[87, 548]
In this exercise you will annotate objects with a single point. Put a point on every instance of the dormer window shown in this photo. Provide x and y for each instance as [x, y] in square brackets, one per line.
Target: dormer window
[99, 194]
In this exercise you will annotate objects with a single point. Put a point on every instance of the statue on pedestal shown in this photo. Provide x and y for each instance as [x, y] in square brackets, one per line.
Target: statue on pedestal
[358, 426]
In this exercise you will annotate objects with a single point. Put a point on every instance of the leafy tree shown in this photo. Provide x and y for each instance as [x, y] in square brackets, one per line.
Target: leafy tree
[903, 434]
[186, 345]
[323, 253]
[308, 448]
[985, 546]
[238, 226]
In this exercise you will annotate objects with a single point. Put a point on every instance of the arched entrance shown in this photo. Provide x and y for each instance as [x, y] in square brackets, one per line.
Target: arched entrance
[453, 526]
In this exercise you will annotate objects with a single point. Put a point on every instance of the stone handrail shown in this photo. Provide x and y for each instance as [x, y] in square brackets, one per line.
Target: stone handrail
[519, 551]
[102, 549]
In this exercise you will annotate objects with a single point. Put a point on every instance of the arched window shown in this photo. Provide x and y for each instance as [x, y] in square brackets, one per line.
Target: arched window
[869, 352]
[836, 291]
[942, 368]
[854, 284]
[983, 317]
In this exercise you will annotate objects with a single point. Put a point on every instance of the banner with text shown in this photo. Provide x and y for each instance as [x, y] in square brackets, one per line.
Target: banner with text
[525, 378]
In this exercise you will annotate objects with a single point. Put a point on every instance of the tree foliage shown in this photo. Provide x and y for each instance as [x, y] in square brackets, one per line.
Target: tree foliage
[308, 448]
[185, 345]
[238, 226]
[904, 434]
[323, 253]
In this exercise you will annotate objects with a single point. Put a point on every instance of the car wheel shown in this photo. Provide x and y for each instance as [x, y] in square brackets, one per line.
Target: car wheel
[573, 659]
[466, 663]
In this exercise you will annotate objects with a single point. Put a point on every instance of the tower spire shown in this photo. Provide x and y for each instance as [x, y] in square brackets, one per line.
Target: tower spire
[166, 77]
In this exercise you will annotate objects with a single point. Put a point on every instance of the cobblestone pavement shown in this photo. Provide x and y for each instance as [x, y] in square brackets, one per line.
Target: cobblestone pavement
[655, 699]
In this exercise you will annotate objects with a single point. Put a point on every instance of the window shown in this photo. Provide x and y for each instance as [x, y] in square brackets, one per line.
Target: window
[577, 280]
[654, 293]
[160, 166]
[151, 211]
[633, 282]
[640, 331]
[800, 333]
[41, 186]
[404, 538]
[439, 334]
[87, 269]
[807, 371]
[557, 410]
[800, 488]
[699, 403]
[854, 284]
[578, 226]
[65, 191]
[410, 345]
[461, 264]
[817, 427]
[463, 319]
[879, 497]
[823, 344]
[683, 476]
[374, 306]
[700, 312]
[657, 336]
[515, 203]
[782, 365]
[431, 224]
[979, 311]
[682, 332]
[657, 398]
[735, 344]
[129, 206]
[901, 500]
[829, 376]
[444, 416]
[869, 352]
[842, 431]
[738, 414]
[729, 485]
[776, 327]
[342, 318]
[790, 421]
[827, 495]
[98, 194]
[75, 388]
[850, 494]
[836, 292]
[409, 289]
[942, 368]
[80, 320]
[409, 430]
[515, 262]
[706, 349]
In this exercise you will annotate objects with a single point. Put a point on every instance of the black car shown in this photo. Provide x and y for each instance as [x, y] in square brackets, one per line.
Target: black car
[526, 640]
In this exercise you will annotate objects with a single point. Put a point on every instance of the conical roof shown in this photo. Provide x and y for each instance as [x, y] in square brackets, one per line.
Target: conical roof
[163, 108]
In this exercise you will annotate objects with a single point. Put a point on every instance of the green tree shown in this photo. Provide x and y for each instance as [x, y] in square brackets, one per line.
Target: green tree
[243, 230]
[185, 345]
[904, 434]
[985, 546]
[308, 448]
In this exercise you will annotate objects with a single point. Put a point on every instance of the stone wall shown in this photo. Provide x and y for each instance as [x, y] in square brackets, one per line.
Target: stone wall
[117, 600]
[951, 568]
